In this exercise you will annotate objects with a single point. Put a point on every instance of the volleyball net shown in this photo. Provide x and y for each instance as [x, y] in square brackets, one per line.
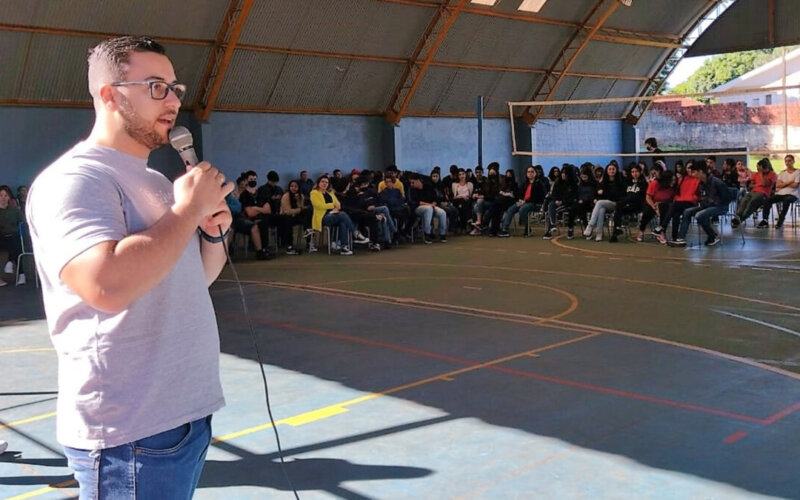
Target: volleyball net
[751, 123]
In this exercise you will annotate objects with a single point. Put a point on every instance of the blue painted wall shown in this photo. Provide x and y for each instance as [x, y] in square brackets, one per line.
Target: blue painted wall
[554, 136]
[32, 138]
[237, 142]
[422, 143]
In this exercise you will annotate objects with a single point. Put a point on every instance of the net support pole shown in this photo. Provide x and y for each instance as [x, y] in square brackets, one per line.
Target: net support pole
[479, 104]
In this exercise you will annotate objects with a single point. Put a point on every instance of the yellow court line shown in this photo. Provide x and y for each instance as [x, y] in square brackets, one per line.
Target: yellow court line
[338, 408]
[31, 349]
[47, 489]
[27, 420]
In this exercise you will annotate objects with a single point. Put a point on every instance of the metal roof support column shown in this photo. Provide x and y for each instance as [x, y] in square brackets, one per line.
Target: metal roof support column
[566, 58]
[220, 57]
[639, 108]
[432, 38]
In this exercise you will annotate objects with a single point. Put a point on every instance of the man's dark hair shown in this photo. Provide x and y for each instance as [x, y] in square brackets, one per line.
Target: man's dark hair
[712, 158]
[651, 141]
[272, 176]
[250, 172]
[116, 52]
[699, 165]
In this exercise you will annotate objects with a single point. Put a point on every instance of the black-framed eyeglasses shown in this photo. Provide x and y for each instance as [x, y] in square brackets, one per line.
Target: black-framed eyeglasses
[158, 89]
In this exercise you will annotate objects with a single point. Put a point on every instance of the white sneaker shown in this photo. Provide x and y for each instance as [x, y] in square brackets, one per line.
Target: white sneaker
[588, 231]
[345, 251]
[3, 446]
[21, 280]
[3, 283]
[360, 239]
[312, 249]
[9, 269]
[335, 246]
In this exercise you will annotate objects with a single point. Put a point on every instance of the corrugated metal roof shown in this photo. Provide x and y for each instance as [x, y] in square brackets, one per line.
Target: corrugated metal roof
[15, 53]
[361, 27]
[726, 33]
[669, 17]
[349, 55]
[502, 42]
[250, 79]
[56, 69]
[616, 59]
[200, 20]
[508, 88]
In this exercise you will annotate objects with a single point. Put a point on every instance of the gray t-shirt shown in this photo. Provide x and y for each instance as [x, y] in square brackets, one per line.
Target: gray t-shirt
[148, 369]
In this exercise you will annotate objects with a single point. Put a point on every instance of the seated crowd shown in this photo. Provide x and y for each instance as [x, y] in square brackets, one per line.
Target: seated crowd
[382, 209]
[12, 218]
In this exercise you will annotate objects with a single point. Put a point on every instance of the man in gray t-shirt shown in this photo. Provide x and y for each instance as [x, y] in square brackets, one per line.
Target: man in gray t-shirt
[125, 282]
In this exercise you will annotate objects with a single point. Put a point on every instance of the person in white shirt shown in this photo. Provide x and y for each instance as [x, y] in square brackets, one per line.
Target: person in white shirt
[787, 191]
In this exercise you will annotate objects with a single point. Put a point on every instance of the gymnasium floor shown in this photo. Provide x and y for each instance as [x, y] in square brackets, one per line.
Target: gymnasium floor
[480, 368]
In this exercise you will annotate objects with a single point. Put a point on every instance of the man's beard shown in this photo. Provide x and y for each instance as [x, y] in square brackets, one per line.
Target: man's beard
[137, 128]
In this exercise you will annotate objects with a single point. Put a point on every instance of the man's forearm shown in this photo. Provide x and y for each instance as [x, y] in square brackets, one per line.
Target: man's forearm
[213, 255]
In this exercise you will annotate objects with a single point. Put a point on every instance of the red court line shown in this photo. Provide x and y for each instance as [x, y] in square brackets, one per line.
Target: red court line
[735, 437]
[526, 374]
[782, 414]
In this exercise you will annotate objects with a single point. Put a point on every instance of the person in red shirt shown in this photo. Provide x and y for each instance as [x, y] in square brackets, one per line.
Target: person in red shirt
[686, 197]
[763, 184]
[660, 192]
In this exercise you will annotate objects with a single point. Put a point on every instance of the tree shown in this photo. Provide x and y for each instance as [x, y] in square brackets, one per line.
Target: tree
[723, 68]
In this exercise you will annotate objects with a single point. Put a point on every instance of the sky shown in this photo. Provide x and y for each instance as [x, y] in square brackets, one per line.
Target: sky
[684, 70]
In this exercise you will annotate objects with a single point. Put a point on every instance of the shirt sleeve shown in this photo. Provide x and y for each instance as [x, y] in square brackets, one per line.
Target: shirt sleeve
[73, 211]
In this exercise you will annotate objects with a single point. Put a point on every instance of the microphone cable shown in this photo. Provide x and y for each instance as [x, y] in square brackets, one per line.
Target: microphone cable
[258, 357]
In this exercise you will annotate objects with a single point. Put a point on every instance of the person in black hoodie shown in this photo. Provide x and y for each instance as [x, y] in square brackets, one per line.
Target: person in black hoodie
[529, 197]
[501, 192]
[561, 198]
[608, 194]
[586, 194]
[443, 196]
[631, 202]
[354, 205]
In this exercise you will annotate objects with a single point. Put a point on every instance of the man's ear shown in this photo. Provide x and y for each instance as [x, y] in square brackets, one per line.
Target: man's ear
[108, 97]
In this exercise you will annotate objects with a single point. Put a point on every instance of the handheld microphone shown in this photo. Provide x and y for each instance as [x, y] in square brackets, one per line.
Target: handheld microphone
[183, 142]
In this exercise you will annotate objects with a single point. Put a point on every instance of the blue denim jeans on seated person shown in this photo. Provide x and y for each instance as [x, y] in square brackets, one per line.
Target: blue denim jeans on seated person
[343, 222]
[165, 465]
[703, 216]
[524, 212]
[428, 212]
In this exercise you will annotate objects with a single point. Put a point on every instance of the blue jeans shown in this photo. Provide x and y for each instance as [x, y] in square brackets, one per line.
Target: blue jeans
[703, 216]
[388, 227]
[524, 212]
[427, 212]
[343, 222]
[599, 214]
[165, 465]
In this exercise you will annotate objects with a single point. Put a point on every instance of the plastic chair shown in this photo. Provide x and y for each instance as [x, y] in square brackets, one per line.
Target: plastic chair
[26, 252]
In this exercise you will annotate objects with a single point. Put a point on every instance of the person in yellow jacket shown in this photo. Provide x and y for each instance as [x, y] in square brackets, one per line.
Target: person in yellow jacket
[328, 212]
